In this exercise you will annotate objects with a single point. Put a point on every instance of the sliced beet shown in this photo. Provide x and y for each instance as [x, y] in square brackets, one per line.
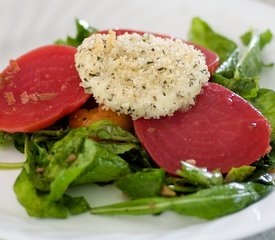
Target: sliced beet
[39, 88]
[220, 131]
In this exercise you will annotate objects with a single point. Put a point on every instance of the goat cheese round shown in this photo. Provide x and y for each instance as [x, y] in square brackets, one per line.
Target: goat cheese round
[141, 75]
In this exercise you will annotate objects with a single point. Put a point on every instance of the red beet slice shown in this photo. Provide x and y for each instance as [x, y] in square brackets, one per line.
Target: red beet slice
[39, 88]
[220, 131]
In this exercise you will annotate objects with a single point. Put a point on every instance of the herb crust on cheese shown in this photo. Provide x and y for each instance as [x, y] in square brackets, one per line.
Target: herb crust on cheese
[141, 75]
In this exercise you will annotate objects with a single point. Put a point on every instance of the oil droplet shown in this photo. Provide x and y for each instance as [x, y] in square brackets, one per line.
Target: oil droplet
[252, 125]
[229, 100]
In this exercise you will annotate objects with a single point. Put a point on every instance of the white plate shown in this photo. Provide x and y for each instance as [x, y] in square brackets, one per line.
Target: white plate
[32, 23]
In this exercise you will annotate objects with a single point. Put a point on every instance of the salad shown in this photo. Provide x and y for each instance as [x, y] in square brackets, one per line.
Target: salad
[69, 140]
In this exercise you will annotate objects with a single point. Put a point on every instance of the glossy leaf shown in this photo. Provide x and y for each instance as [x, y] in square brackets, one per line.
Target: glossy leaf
[83, 30]
[239, 174]
[200, 176]
[202, 34]
[146, 183]
[207, 203]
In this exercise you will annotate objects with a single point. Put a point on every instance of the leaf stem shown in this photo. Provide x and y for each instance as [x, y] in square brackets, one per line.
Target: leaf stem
[11, 165]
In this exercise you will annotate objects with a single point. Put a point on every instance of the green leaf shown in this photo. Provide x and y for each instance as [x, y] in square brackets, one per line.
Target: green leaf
[227, 68]
[146, 183]
[107, 130]
[246, 87]
[200, 176]
[271, 156]
[45, 136]
[107, 167]
[251, 64]
[209, 203]
[84, 30]
[242, 76]
[5, 137]
[265, 103]
[220, 200]
[265, 38]
[138, 159]
[183, 188]
[67, 146]
[202, 34]
[180, 185]
[239, 174]
[118, 147]
[36, 204]
[57, 159]
[19, 141]
[36, 163]
[239, 75]
[261, 176]
[267, 162]
[246, 37]
[75, 205]
[71, 169]
[264, 165]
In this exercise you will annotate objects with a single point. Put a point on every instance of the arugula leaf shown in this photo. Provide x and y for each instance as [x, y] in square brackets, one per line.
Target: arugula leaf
[57, 159]
[271, 156]
[75, 205]
[84, 30]
[145, 183]
[107, 130]
[251, 64]
[5, 137]
[178, 184]
[71, 168]
[19, 141]
[242, 76]
[246, 87]
[36, 163]
[227, 68]
[36, 204]
[200, 176]
[263, 166]
[265, 38]
[267, 162]
[47, 137]
[107, 167]
[239, 174]
[239, 75]
[202, 34]
[138, 159]
[261, 176]
[265, 103]
[118, 147]
[208, 203]
[221, 200]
